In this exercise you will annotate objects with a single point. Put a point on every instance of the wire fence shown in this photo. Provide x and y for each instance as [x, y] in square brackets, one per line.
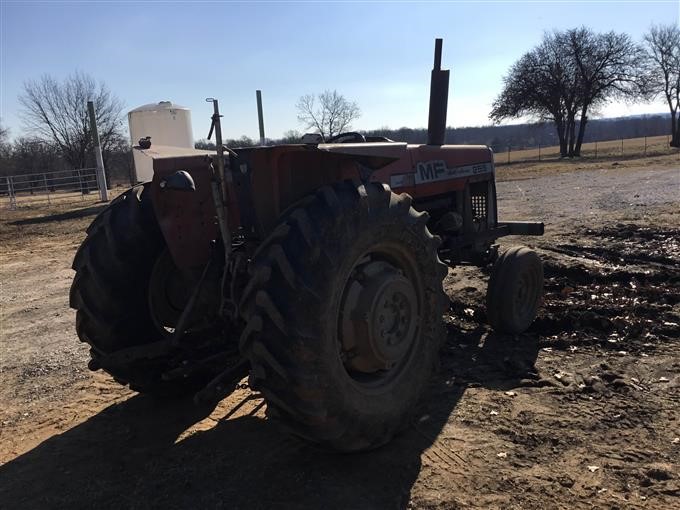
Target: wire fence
[643, 146]
[55, 187]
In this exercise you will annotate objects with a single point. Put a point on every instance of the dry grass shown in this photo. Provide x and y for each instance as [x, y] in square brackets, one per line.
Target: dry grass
[630, 147]
[531, 169]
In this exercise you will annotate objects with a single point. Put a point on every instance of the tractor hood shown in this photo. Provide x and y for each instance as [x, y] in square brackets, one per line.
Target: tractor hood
[373, 155]
[393, 150]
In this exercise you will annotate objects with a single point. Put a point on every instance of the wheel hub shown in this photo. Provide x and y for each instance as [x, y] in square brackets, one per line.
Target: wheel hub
[167, 293]
[379, 317]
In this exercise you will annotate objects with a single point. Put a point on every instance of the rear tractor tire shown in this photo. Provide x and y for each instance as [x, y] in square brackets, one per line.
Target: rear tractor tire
[344, 316]
[115, 265]
[515, 290]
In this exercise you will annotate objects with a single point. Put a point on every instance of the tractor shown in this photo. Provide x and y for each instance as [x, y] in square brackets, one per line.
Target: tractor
[314, 269]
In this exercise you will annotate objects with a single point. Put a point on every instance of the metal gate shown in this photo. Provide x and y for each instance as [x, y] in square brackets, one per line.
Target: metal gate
[59, 186]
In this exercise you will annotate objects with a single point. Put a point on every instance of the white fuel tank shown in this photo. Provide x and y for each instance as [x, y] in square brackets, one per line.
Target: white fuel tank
[166, 123]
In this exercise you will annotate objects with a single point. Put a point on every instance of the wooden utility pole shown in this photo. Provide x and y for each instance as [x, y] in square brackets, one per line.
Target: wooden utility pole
[101, 177]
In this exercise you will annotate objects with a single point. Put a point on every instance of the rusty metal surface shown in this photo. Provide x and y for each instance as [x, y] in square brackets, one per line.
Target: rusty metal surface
[390, 150]
[274, 178]
[187, 219]
[282, 175]
[167, 151]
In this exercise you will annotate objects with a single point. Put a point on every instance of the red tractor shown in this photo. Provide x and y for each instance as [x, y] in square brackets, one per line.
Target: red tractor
[316, 269]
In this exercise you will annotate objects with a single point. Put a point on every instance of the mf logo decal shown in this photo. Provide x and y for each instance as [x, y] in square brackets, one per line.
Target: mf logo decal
[434, 171]
[430, 170]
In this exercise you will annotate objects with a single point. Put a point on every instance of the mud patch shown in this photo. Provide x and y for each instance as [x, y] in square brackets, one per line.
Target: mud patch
[619, 287]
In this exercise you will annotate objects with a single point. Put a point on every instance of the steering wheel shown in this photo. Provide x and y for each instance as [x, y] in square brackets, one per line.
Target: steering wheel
[349, 137]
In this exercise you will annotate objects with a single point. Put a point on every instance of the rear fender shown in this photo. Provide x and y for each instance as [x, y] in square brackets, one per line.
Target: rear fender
[187, 219]
[282, 175]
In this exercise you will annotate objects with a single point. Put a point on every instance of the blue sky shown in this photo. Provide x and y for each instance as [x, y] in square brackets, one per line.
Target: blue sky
[378, 54]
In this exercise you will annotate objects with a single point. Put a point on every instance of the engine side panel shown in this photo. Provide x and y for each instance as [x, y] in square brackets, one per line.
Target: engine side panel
[435, 170]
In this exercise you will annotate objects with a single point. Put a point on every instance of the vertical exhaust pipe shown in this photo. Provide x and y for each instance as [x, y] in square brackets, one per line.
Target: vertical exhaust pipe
[439, 98]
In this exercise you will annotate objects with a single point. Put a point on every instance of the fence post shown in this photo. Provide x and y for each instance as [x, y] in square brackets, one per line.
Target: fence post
[47, 190]
[101, 177]
[80, 183]
[645, 145]
[621, 146]
[539, 152]
[12, 196]
[508, 155]
[595, 150]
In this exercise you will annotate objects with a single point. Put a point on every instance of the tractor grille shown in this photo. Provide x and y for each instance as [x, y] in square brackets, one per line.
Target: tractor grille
[479, 205]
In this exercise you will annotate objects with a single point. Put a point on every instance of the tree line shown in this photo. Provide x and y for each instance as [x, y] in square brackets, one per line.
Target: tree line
[499, 138]
[530, 135]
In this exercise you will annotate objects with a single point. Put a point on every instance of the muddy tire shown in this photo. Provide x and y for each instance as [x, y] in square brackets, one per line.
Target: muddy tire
[110, 291]
[515, 290]
[345, 266]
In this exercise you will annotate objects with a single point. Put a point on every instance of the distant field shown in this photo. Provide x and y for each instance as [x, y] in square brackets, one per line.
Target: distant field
[654, 145]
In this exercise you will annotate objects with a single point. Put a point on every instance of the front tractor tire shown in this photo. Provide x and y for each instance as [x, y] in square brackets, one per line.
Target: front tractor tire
[111, 292]
[515, 290]
[344, 316]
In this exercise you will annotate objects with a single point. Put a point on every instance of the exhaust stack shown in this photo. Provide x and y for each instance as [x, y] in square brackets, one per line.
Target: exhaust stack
[439, 97]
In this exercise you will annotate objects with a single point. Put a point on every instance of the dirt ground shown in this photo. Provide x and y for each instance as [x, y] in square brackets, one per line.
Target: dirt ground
[581, 411]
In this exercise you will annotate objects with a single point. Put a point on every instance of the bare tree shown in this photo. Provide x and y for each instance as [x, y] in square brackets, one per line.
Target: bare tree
[5, 147]
[6, 163]
[204, 144]
[29, 156]
[329, 113]
[609, 67]
[118, 162]
[567, 75]
[662, 45]
[542, 84]
[57, 113]
[291, 136]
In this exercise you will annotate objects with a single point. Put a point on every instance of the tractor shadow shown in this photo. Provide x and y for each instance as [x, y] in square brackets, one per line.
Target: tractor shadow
[64, 216]
[130, 455]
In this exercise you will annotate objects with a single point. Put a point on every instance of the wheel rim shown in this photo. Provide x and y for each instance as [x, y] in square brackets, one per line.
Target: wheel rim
[167, 294]
[378, 319]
